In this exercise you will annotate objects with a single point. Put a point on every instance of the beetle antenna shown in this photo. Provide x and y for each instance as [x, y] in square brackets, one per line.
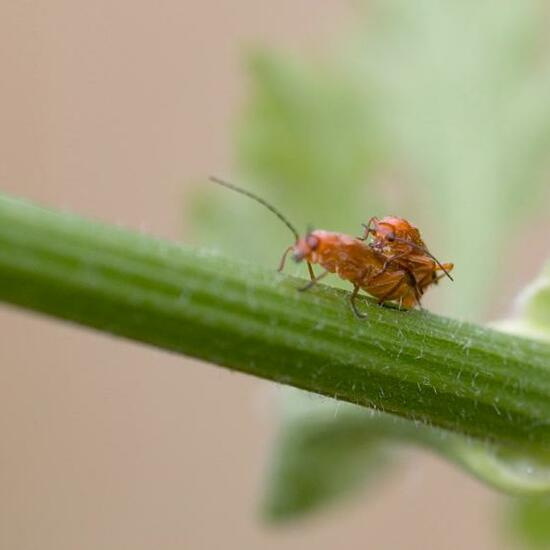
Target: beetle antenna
[270, 207]
[426, 251]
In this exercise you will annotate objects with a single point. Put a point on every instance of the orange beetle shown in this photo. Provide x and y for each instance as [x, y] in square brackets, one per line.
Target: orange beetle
[361, 265]
[400, 242]
[364, 266]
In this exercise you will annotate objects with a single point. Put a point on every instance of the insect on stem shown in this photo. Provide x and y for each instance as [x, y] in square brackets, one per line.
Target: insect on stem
[386, 277]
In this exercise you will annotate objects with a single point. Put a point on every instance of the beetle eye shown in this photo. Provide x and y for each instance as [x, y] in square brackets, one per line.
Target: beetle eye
[312, 242]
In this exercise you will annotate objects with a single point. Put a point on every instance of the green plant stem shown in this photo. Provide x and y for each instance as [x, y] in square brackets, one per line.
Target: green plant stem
[420, 366]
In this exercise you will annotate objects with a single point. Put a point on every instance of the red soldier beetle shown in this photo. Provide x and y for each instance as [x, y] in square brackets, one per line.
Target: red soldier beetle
[400, 242]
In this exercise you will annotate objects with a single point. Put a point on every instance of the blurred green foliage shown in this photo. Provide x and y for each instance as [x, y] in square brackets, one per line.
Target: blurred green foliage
[434, 110]
[528, 521]
[461, 92]
[537, 303]
[308, 135]
[318, 458]
[529, 518]
[533, 304]
[328, 449]
[306, 143]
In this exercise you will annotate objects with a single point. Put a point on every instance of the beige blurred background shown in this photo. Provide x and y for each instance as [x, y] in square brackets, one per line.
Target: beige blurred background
[108, 109]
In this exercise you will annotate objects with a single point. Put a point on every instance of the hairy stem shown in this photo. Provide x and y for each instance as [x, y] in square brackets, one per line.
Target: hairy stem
[420, 366]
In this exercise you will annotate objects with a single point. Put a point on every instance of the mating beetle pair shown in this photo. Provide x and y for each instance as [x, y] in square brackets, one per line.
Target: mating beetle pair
[390, 261]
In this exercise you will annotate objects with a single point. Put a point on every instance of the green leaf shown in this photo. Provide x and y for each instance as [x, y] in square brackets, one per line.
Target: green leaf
[528, 519]
[326, 450]
[320, 456]
[536, 302]
[532, 317]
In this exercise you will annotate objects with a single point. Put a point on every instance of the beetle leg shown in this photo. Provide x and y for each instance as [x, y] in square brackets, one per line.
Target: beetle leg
[418, 292]
[311, 272]
[368, 228]
[313, 281]
[418, 296]
[352, 298]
